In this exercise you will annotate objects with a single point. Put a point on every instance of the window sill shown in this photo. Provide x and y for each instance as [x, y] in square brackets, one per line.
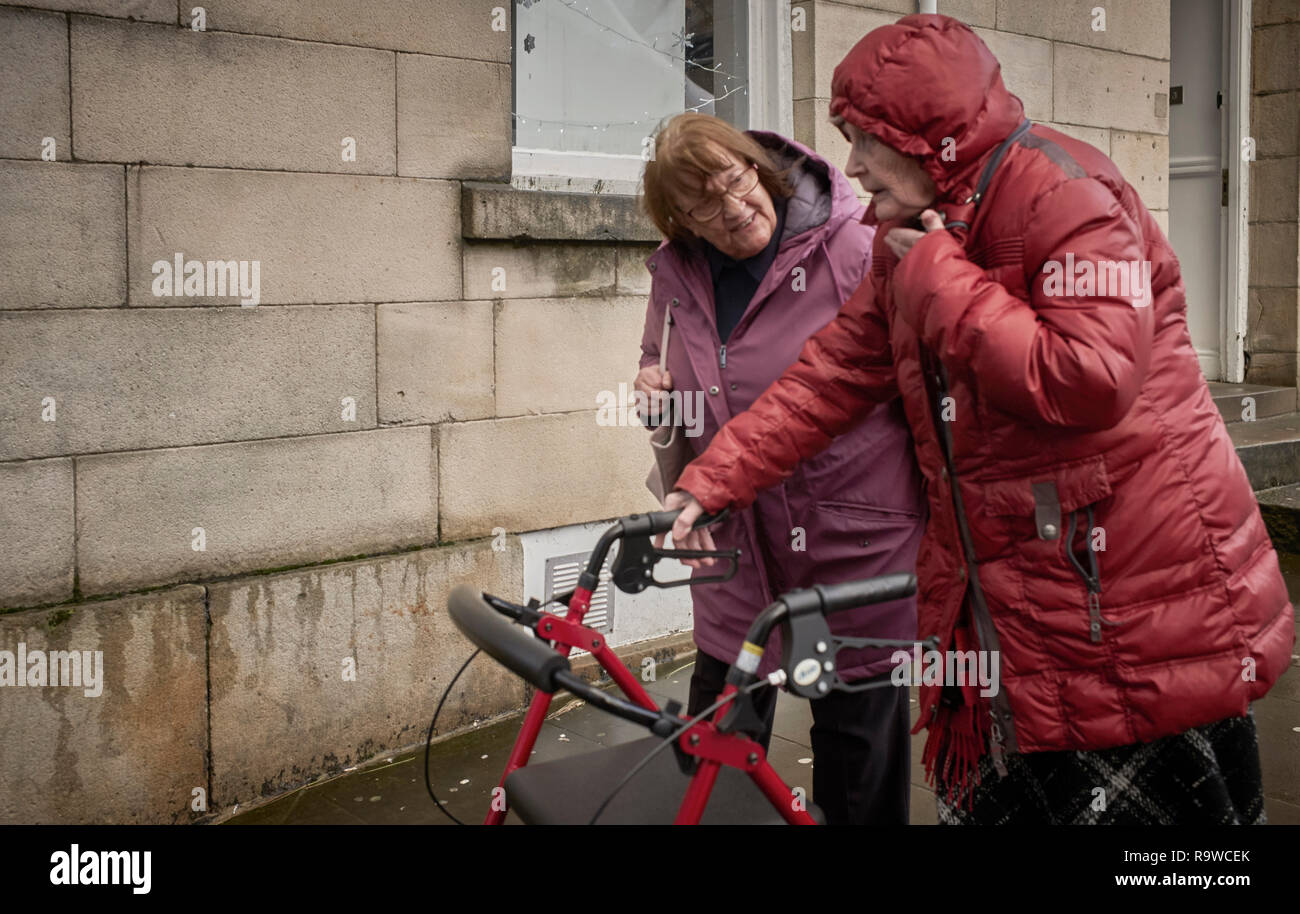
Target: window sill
[502, 212]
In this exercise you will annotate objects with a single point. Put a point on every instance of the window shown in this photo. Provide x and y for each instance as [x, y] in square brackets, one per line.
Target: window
[593, 79]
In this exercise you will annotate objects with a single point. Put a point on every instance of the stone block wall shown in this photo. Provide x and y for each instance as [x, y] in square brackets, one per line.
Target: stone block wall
[233, 493]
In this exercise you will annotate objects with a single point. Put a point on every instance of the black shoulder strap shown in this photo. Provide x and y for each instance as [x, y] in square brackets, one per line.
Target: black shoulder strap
[986, 176]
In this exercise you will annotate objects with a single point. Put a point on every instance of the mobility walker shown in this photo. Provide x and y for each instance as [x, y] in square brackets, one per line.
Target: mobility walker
[716, 771]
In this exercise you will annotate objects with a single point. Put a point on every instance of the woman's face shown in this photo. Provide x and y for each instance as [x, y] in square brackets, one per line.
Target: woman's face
[744, 226]
[899, 186]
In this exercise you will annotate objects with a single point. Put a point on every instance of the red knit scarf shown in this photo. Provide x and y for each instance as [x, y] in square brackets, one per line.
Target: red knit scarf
[958, 734]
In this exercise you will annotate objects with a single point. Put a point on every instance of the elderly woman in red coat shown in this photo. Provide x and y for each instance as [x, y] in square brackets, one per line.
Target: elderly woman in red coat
[1089, 518]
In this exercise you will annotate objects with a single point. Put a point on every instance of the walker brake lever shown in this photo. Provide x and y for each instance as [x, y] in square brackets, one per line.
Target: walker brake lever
[929, 644]
[633, 570]
[808, 652]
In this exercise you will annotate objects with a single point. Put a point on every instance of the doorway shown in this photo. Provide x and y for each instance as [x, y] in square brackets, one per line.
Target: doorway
[1208, 119]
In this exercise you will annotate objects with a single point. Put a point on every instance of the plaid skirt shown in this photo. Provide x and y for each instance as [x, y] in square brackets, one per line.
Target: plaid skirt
[1208, 775]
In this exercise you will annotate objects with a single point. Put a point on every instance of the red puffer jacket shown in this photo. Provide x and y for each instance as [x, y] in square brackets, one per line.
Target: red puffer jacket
[1070, 419]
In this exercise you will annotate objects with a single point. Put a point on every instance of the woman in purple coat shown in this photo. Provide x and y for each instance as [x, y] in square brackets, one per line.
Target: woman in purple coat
[763, 243]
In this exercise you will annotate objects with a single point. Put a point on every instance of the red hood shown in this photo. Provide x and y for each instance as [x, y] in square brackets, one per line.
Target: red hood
[924, 78]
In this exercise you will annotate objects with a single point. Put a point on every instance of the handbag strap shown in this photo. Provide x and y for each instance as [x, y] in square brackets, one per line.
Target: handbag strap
[663, 367]
[990, 168]
[986, 176]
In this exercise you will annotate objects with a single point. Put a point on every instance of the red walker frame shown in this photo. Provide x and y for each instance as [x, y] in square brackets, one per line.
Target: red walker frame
[702, 740]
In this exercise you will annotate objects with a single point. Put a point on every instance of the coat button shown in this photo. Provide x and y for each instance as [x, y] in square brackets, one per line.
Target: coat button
[1049, 531]
[675, 303]
[652, 266]
[733, 386]
[714, 390]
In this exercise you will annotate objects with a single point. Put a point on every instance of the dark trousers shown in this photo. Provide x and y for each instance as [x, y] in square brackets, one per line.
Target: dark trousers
[860, 742]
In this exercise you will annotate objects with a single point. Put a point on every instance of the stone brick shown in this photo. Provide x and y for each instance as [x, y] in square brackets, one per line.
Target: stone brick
[1107, 89]
[633, 277]
[1272, 368]
[261, 504]
[900, 7]
[1269, 12]
[1274, 190]
[455, 28]
[144, 378]
[557, 354]
[144, 10]
[165, 95]
[453, 118]
[505, 213]
[832, 31]
[37, 540]
[536, 472]
[1275, 124]
[34, 73]
[278, 648]
[539, 270]
[1275, 57]
[435, 361]
[1131, 26]
[1143, 159]
[1162, 219]
[972, 12]
[134, 753]
[64, 235]
[1093, 136]
[1274, 255]
[1273, 323]
[813, 128]
[319, 238]
[1026, 69]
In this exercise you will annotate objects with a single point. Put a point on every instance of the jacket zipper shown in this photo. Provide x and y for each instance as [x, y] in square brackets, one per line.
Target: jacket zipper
[722, 356]
[1091, 575]
[1002, 729]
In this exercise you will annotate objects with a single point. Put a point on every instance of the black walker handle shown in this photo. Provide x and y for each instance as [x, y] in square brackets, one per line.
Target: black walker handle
[633, 570]
[514, 648]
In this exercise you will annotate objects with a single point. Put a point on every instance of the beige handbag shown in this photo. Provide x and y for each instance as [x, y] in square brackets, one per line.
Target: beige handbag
[672, 451]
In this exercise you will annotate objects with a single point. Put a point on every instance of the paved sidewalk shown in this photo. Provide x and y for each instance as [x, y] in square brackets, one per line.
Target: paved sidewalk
[465, 768]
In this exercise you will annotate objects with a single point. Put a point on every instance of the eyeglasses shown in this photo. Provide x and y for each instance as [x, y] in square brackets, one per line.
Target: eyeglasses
[740, 186]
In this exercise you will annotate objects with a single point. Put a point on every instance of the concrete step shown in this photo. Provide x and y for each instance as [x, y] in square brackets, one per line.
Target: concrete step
[1281, 510]
[1268, 401]
[1269, 450]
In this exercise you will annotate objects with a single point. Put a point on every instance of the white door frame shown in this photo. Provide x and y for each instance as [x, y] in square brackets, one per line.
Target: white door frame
[1235, 262]
[771, 95]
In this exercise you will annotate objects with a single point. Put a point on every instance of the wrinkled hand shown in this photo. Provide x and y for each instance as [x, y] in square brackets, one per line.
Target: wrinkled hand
[683, 536]
[900, 240]
[654, 384]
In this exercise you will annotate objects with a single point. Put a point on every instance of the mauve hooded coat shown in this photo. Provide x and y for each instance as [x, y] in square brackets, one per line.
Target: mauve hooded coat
[859, 503]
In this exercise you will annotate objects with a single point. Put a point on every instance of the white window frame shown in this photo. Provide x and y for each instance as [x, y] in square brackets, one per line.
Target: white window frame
[771, 107]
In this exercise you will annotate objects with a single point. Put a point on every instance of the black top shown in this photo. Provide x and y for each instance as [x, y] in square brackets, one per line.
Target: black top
[736, 281]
